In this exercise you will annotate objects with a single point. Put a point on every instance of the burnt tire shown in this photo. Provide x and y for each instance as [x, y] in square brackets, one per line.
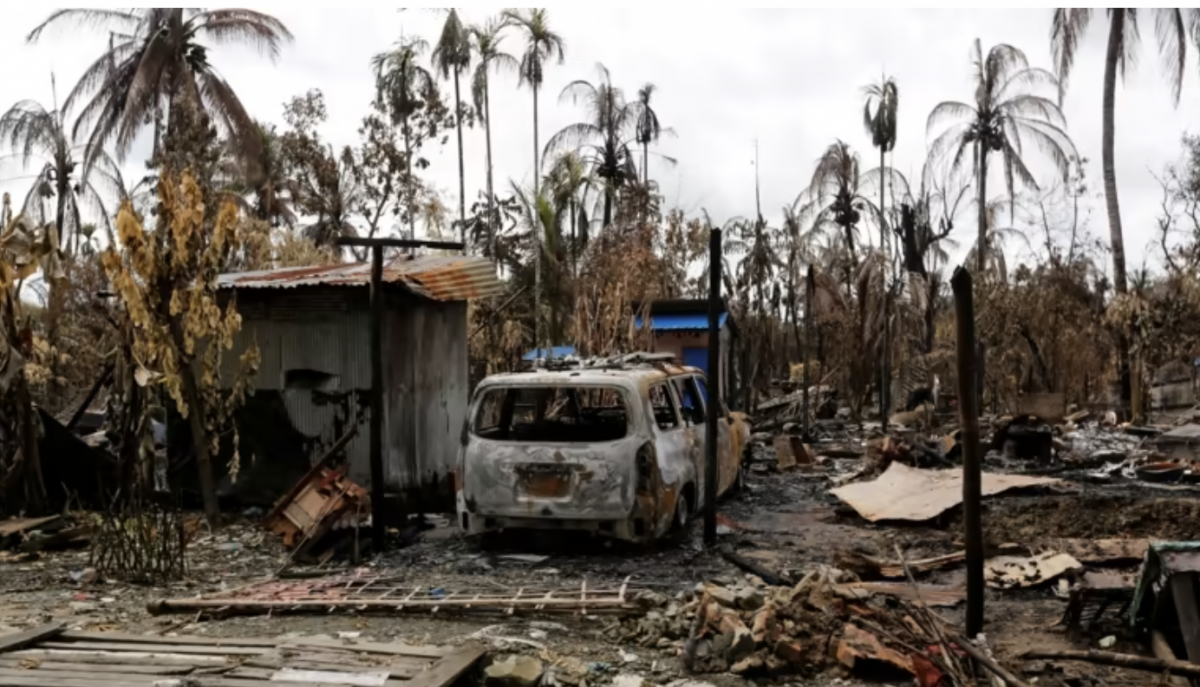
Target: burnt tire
[679, 521]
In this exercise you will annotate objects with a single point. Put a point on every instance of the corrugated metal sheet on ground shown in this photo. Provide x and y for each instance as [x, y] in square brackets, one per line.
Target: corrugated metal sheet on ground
[439, 277]
[680, 321]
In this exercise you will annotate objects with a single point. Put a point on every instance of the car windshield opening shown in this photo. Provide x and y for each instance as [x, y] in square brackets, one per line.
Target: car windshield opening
[560, 414]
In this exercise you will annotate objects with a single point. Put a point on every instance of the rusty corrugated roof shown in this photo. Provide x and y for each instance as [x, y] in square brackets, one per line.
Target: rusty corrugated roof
[440, 277]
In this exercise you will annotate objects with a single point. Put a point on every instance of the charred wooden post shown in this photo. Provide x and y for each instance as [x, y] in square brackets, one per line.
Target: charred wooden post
[809, 287]
[376, 333]
[711, 436]
[376, 438]
[968, 405]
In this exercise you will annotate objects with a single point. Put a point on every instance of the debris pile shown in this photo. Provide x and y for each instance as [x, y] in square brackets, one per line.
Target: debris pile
[830, 619]
[26, 537]
[323, 502]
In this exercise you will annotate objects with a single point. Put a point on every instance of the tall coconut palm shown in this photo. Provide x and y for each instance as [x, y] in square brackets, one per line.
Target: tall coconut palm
[1175, 27]
[836, 196]
[649, 129]
[156, 62]
[882, 127]
[485, 41]
[405, 87]
[602, 139]
[1006, 112]
[452, 57]
[541, 45]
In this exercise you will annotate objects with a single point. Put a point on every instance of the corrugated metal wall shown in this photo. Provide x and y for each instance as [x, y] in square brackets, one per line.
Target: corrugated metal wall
[425, 373]
[427, 390]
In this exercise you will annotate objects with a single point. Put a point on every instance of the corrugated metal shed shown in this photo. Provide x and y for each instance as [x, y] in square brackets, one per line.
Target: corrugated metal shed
[680, 321]
[439, 277]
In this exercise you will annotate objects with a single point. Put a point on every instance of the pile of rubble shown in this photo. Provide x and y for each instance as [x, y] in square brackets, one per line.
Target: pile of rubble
[827, 621]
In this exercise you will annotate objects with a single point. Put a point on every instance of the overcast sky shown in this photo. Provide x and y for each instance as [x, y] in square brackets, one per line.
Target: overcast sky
[790, 78]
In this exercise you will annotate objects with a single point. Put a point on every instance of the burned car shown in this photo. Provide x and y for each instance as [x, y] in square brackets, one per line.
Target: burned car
[614, 449]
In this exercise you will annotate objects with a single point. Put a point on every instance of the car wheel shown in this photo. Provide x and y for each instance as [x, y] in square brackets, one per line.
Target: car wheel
[739, 483]
[680, 521]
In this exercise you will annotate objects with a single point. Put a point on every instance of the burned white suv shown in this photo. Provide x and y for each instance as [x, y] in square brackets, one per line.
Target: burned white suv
[614, 448]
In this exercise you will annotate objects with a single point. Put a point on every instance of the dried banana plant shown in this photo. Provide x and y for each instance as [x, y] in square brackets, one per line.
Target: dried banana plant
[166, 280]
[25, 249]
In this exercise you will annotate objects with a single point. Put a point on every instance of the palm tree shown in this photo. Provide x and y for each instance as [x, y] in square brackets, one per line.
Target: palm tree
[541, 45]
[882, 127]
[1175, 28]
[452, 56]
[405, 87]
[568, 184]
[836, 195]
[490, 58]
[537, 216]
[35, 134]
[603, 137]
[648, 128]
[1004, 114]
[260, 184]
[155, 63]
[328, 192]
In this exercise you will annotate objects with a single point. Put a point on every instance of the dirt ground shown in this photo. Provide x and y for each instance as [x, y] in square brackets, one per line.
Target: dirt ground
[787, 522]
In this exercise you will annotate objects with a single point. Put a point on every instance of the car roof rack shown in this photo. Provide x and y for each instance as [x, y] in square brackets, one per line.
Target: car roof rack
[623, 361]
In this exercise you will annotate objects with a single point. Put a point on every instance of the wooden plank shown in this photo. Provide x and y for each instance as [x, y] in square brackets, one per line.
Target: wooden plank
[102, 658]
[27, 680]
[390, 648]
[95, 668]
[130, 637]
[19, 525]
[399, 666]
[20, 640]
[31, 678]
[131, 677]
[448, 669]
[156, 648]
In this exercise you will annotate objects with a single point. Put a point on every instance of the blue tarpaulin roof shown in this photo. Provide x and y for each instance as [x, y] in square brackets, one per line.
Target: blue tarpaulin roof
[680, 321]
[554, 352]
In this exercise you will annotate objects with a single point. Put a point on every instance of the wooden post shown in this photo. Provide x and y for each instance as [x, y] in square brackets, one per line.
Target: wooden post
[809, 287]
[376, 333]
[885, 377]
[711, 436]
[376, 438]
[968, 405]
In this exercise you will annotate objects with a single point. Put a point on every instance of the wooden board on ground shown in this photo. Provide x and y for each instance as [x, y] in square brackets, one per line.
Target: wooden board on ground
[49, 657]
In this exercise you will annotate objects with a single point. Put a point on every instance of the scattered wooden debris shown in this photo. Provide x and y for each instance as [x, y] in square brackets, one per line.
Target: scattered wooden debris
[50, 657]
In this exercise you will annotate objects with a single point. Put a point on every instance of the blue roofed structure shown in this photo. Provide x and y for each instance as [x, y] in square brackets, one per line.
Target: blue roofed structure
[680, 327]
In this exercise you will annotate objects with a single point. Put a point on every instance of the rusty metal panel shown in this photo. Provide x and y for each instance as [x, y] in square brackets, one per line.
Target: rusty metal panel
[426, 395]
[439, 277]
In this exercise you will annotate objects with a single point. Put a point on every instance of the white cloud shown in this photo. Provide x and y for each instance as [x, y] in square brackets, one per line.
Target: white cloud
[790, 78]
